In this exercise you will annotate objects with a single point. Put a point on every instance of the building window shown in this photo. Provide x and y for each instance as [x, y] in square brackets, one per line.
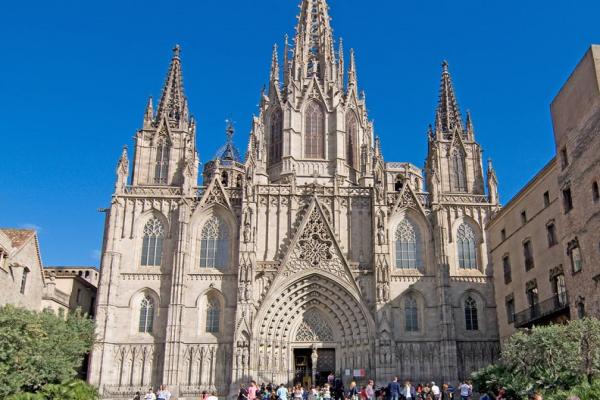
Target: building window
[214, 244]
[78, 299]
[531, 293]
[559, 289]
[551, 233]
[408, 252]
[510, 310]
[146, 315]
[546, 199]
[595, 192]
[459, 179]
[213, 316]
[465, 241]
[152, 244]
[24, 280]
[351, 139]
[276, 144]
[503, 234]
[564, 158]
[399, 183]
[411, 315]
[567, 200]
[523, 217]
[314, 136]
[161, 168]
[507, 269]
[574, 253]
[581, 309]
[528, 255]
[471, 321]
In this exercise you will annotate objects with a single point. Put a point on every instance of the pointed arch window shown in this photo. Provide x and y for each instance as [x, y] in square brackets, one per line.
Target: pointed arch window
[146, 315]
[411, 314]
[351, 139]
[276, 143]
[408, 249]
[152, 244]
[314, 132]
[471, 319]
[465, 242]
[213, 316]
[214, 244]
[459, 179]
[161, 168]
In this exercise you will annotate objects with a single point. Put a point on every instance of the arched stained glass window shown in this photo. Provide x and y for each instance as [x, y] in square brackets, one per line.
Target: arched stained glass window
[213, 315]
[465, 242]
[459, 179]
[214, 244]
[411, 314]
[351, 140]
[276, 143]
[408, 249]
[314, 132]
[152, 245]
[146, 315]
[471, 321]
[161, 169]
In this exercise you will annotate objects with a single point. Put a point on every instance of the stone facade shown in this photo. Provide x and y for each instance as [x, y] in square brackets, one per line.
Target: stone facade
[312, 255]
[526, 251]
[71, 288]
[21, 276]
[576, 119]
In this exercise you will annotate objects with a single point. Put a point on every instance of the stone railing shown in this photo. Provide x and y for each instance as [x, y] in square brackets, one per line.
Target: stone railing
[463, 198]
[153, 191]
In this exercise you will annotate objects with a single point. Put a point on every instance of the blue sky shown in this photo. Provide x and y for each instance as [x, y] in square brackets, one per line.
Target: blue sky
[75, 76]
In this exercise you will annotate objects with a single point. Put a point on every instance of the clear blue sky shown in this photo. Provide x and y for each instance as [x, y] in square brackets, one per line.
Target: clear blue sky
[75, 76]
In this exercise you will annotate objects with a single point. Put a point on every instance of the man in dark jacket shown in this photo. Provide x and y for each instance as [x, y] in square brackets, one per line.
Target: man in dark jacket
[393, 389]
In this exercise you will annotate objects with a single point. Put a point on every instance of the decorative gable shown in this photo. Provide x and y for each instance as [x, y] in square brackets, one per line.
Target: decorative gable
[215, 194]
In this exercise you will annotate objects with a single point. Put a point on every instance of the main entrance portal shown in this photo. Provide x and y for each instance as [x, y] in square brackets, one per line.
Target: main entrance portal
[312, 366]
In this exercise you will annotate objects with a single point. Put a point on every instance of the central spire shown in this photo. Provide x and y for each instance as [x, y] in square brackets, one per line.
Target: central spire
[173, 104]
[447, 117]
[314, 54]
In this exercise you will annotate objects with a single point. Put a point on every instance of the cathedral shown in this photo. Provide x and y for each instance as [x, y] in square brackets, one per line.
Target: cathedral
[310, 254]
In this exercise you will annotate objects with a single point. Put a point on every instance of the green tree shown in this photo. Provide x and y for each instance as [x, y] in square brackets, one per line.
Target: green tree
[40, 348]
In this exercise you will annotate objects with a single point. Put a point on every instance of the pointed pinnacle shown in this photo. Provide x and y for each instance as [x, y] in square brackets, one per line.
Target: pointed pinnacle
[176, 51]
[274, 65]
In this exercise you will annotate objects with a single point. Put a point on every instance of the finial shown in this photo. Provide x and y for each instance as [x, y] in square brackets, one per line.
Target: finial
[229, 130]
[176, 51]
[445, 66]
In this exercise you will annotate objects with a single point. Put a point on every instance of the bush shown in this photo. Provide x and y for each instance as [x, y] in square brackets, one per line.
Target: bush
[584, 391]
[40, 348]
[73, 390]
[550, 359]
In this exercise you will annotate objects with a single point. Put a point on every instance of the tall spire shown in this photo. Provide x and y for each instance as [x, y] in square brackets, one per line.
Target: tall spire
[313, 53]
[275, 67]
[447, 117]
[173, 105]
[341, 64]
[149, 114]
[352, 70]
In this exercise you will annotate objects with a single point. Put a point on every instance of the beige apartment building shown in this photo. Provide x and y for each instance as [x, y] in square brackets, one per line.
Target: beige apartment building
[526, 254]
[71, 288]
[576, 119]
[544, 244]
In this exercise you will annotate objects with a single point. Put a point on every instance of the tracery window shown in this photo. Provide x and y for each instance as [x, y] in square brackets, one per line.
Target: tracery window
[314, 136]
[161, 169]
[213, 316]
[146, 315]
[411, 314]
[276, 143]
[465, 242]
[408, 251]
[214, 244]
[471, 321]
[351, 139]
[459, 180]
[152, 244]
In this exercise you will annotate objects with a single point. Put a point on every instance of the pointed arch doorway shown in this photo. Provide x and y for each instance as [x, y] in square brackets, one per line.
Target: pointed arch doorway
[314, 348]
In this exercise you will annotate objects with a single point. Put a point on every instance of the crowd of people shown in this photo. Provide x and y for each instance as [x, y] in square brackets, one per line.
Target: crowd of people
[334, 389]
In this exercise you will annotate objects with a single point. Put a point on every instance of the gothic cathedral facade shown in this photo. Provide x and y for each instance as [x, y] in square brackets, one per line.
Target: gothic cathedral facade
[310, 255]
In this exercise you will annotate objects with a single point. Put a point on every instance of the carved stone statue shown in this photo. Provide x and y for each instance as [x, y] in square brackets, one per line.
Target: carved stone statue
[247, 232]
[380, 235]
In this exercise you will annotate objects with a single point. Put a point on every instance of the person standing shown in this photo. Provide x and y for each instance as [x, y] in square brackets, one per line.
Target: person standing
[213, 396]
[282, 392]
[150, 395]
[393, 389]
[252, 391]
[370, 390]
[446, 394]
[408, 391]
[435, 391]
[353, 391]
[243, 393]
[465, 391]
[163, 393]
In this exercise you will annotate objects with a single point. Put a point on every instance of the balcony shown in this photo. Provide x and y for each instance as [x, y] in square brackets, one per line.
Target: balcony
[543, 312]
